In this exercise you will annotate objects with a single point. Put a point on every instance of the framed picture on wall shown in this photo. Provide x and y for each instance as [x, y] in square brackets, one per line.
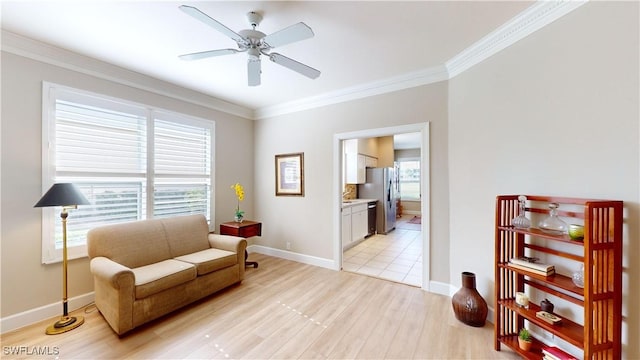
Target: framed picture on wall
[290, 174]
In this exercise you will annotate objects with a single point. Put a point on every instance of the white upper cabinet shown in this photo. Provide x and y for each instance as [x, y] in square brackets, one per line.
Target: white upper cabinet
[356, 162]
[355, 166]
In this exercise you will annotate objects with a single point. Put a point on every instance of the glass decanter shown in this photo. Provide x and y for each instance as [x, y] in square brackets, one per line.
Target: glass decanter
[521, 220]
[552, 223]
[578, 277]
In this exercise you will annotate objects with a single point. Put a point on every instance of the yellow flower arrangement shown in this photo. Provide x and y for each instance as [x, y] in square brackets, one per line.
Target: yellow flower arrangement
[240, 195]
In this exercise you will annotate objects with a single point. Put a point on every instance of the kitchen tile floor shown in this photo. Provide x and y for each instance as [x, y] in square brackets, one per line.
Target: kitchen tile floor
[396, 256]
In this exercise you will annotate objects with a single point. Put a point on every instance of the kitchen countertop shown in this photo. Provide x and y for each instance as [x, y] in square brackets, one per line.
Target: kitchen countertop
[353, 202]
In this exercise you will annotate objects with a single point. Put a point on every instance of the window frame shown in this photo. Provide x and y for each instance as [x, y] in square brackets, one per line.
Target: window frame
[52, 92]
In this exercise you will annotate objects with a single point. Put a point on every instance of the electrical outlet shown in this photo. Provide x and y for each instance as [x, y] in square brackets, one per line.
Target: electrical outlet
[288, 245]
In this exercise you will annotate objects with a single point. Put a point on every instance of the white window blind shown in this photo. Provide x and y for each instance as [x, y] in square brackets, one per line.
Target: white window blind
[182, 169]
[90, 139]
[131, 161]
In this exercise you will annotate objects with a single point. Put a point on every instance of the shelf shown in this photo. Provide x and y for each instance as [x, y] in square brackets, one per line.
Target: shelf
[511, 341]
[601, 251]
[557, 280]
[567, 330]
[541, 234]
[563, 254]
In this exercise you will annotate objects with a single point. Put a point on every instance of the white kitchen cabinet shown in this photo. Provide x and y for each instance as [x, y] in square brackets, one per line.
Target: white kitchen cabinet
[355, 168]
[358, 222]
[346, 227]
[354, 224]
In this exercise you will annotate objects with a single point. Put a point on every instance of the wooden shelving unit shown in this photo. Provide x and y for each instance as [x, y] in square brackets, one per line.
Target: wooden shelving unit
[601, 297]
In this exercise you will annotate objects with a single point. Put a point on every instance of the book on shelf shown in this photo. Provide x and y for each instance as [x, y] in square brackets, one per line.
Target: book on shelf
[532, 270]
[548, 317]
[532, 263]
[555, 353]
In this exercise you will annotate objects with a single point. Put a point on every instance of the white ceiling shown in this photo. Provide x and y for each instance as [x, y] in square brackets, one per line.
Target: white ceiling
[355, 43]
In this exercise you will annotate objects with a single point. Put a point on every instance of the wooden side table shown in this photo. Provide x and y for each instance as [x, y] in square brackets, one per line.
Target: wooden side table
[245, 229]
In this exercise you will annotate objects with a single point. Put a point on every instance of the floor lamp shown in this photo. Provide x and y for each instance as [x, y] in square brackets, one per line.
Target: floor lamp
[69, 197]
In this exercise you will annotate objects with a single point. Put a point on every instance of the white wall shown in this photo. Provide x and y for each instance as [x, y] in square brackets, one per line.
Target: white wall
[554, 114]
[26, 283]
[307, 222]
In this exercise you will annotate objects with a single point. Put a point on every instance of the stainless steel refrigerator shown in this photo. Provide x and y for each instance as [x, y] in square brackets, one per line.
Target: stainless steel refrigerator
[381, 185]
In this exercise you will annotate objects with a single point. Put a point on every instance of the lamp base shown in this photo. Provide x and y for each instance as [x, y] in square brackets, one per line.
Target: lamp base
[66, 323]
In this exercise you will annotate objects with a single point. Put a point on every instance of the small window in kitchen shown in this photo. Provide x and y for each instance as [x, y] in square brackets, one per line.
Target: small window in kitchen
[409, 171]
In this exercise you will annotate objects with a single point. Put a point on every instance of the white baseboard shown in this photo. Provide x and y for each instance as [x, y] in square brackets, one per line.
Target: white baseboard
[16, 321]
[288, 255]
[441, 288]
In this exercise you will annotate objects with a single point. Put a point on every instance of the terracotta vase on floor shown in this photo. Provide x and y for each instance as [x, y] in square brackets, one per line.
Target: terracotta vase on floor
[468, 305]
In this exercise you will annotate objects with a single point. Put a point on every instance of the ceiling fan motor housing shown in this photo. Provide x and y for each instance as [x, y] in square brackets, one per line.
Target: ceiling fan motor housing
[254, 46]
[253, 35]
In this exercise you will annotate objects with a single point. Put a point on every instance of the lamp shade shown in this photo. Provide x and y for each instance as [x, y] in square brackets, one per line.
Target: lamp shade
[62, 194]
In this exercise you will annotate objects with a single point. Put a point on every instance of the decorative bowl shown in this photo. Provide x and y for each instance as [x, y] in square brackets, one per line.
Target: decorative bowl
[576, 232]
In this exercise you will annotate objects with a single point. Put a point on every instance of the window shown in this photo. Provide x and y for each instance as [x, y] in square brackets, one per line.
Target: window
[409, 179]
[132, 162]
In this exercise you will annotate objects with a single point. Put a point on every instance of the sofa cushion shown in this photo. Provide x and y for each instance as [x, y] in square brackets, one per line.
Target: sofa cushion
[186, 234]
[153, 278]
[210, 260]
[132, 244]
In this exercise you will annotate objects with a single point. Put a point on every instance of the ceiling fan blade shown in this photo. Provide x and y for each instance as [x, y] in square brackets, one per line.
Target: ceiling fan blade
[253, 71]
[199, 15]
[293, 33]
[206, 54]
[298, 67]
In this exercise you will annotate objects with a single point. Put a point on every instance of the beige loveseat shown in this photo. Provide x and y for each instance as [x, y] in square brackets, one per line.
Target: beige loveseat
[145, 269]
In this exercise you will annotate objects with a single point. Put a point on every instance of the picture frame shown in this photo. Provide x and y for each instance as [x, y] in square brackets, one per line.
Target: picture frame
[290, 174]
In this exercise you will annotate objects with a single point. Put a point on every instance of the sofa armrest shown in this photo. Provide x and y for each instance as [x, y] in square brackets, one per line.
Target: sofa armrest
[114, 288]
[231, 243]
[110, 272]
[234, 244]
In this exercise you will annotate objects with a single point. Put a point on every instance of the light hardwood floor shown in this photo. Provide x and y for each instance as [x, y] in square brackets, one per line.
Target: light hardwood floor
[282, 310]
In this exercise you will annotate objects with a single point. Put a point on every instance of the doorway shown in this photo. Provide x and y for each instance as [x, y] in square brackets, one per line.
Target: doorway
[403, 254]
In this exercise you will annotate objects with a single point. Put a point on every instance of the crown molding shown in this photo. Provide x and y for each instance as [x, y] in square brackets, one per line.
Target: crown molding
[530, 20]
[405, 81]
[535, 17]
[43, 52]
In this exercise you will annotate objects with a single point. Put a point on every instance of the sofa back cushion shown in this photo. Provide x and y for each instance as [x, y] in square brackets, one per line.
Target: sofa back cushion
[186, 234]
[132, 244]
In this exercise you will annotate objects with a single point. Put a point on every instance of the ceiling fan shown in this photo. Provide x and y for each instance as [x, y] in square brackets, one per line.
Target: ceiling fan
[255, 43]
